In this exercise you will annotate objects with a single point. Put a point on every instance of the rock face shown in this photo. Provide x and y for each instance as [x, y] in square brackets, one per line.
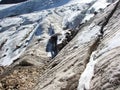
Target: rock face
[94, 37]
[49, 58]
[107, 69]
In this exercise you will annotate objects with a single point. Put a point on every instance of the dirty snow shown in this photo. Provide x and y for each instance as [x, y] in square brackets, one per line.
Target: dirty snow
[86, 76]
[89, 33]
[57, 14]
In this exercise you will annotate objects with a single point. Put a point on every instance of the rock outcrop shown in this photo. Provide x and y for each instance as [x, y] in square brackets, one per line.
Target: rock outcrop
[96, 36]
[85, 54]
[107, 69]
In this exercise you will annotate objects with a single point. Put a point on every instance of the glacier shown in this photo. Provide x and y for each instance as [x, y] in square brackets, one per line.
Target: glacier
[25, 22]
[41, 28]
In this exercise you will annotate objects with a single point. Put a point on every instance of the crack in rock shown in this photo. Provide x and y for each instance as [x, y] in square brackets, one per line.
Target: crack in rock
[86, 76]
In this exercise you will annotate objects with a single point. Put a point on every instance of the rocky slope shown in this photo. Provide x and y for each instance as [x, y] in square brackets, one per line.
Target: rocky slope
[38, 51]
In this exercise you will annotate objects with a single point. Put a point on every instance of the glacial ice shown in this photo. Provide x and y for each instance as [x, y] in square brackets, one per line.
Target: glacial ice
[19, 22]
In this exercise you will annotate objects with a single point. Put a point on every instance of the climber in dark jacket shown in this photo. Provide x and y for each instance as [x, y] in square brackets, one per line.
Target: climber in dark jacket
[52, 45]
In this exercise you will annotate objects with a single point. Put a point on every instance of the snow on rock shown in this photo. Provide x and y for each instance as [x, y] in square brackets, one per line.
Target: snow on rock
[10, 21]
[90, 32]
[71, 22]
[100, 4]
[86, 76]
[39, 20]
[15, 44]
[30, 6]
[96, 7]
[110, 44]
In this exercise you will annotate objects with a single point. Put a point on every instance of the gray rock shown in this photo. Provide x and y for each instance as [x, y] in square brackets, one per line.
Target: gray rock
[34, 70]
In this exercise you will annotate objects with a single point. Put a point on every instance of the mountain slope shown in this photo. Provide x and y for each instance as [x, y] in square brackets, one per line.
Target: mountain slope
[58, 46]
[20, 30]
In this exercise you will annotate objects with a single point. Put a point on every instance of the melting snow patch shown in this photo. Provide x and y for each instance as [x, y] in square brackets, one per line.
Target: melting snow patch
[90, 33]
[16, 44]
[100, 4]
[86, 76]
[10, 21]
